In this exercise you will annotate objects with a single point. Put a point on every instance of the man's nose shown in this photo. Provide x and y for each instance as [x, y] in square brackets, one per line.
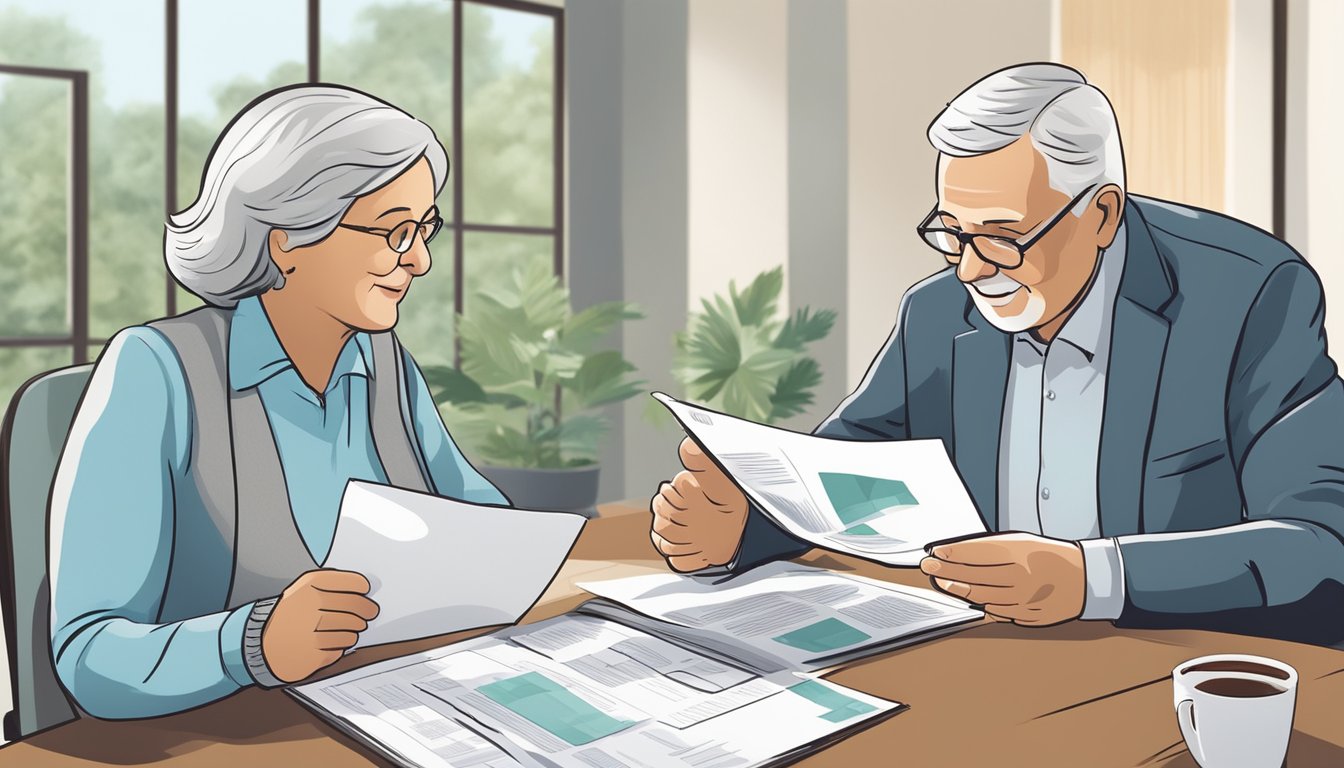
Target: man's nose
[417, 261]
[972, 267]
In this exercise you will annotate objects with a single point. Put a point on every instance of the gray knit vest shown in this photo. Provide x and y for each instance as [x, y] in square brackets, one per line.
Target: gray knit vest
[236, 468]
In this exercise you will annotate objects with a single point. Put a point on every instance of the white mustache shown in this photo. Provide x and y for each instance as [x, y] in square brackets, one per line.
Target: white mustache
[997, 284]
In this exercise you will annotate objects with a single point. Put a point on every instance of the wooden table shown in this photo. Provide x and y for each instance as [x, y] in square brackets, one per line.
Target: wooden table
[1081, 694]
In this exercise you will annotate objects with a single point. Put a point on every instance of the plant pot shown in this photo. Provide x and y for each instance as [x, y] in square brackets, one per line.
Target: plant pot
[572, 489]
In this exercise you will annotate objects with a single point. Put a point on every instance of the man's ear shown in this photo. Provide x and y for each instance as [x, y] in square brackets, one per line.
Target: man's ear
[1110, 201]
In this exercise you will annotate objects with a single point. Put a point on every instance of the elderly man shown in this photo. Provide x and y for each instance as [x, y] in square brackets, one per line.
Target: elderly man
[1136, 393]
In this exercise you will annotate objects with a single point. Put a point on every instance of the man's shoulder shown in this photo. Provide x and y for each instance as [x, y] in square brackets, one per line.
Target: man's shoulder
[1212, 248]
[939, 299]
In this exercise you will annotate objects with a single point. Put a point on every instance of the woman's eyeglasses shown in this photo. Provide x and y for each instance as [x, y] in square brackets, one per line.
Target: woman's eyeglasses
[1002, 252]
[401, 237]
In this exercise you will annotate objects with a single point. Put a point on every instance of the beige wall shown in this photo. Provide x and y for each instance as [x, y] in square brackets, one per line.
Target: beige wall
[737, 136]
[1163, 65]
[901, 74]
[1249, 156]
[1315, 182]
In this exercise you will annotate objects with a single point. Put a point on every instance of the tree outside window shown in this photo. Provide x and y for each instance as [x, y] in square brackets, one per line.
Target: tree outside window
[501, 205]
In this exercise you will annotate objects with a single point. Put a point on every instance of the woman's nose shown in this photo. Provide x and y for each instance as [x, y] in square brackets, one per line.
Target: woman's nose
[417, 260]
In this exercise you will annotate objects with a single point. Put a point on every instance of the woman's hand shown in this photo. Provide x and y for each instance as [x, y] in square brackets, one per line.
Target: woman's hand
[316, 618]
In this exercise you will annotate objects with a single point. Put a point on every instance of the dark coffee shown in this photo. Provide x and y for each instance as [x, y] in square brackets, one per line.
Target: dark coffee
[1238, 687]
[1238, 666]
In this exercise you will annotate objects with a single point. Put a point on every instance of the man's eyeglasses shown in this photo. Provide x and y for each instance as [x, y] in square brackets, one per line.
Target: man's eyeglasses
[1002, 252]
[401, 237]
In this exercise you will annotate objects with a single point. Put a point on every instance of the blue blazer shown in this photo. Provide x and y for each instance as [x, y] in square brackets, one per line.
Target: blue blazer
[1221, 463]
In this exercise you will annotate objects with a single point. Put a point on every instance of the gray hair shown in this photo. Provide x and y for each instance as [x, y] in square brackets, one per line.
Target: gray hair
[1071, 123]
[295, 159]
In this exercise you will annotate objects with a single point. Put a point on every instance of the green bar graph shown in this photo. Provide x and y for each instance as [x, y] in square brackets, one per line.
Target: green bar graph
[858, 497]
[841, 706]
[825, 635]
[542, 701]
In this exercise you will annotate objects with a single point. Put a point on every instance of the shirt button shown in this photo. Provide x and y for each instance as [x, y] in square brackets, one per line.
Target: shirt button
[1050, 394]
[1045, 494]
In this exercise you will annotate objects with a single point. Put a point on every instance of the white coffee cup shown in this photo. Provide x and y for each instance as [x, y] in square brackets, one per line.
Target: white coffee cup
[1235, 710]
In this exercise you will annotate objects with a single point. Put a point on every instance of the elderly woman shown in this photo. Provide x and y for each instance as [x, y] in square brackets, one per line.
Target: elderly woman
[202, 481]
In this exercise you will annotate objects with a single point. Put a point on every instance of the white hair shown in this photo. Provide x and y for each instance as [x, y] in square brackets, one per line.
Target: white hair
[1071, 123]
[295, 159]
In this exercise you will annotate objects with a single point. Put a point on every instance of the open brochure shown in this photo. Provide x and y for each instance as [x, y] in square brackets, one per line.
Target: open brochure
[583, 691]
[780, 616]
[879, 500]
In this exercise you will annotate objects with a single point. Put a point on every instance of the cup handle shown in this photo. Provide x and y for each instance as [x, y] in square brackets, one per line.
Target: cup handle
[1185, 715]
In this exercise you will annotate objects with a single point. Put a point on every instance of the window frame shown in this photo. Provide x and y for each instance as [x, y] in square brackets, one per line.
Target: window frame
[79, 341]
[77, 236]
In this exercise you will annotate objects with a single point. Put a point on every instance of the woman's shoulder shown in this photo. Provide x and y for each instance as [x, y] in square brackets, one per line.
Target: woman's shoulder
[138, 357]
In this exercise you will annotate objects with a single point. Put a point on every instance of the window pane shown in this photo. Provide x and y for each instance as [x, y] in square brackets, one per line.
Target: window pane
[401, 52]
[34, 206]
[425, 325]
[491, 260]
[229, 53]
[17, 365]
[126, 127]
[508, 77]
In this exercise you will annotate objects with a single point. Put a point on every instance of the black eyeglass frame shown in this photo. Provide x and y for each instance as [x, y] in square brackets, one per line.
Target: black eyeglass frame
[436, 221]
[1020, 245]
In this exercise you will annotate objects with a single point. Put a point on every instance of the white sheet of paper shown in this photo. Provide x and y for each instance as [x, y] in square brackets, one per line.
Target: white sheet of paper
[439, 565]
[880, 500]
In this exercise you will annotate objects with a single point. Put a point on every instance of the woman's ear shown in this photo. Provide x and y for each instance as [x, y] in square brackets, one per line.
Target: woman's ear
[279, 242]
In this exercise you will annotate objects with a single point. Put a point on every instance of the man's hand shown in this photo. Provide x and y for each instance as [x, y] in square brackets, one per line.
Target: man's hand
[316, 619]
[1018, 577]
[698, 518]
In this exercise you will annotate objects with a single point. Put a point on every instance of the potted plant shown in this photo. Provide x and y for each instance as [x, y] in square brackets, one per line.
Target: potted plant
[737, 357]
[523, 399]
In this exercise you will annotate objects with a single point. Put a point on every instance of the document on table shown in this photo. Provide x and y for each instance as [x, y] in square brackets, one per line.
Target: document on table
[439, 565]
[583, 691]
[780, 615]
[879, 500]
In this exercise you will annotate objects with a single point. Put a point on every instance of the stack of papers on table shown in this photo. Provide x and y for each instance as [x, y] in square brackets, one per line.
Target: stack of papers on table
[781, 616]
[664, 670]
[882, 500]
[582, 691]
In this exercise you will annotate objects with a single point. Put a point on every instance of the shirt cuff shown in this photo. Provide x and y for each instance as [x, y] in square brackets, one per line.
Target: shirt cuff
[1104, 571]
[254, 661]
[231, 645]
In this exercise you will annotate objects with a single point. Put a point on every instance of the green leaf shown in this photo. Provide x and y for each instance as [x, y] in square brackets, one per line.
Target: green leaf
[586, 328]
[756, 304]
[509, 447]
[748, 391]
[451, 385]
[804, 327]
[580, 436]
[712, 352]
[603, 379]
[793, 389]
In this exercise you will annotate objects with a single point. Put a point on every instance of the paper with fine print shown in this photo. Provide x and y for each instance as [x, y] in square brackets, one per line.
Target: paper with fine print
[882, 500]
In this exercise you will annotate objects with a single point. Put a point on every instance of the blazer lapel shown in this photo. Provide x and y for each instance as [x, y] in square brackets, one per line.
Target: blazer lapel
[979, 376]
[1139, 334]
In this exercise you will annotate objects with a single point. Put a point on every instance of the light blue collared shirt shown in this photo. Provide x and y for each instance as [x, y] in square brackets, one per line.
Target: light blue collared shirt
[123, 485]
[1051, 434]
